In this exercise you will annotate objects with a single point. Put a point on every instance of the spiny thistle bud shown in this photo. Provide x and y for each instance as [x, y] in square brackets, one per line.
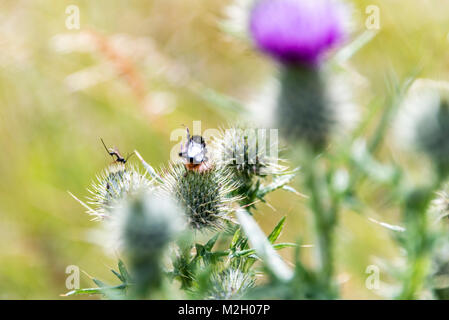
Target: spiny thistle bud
[115, 183]
[304, 111]
[440, 206]
[229, 284]
[314, 106]
[148, 223]
[297, 31]
[244, 153]
[204, 195]
[423, 123]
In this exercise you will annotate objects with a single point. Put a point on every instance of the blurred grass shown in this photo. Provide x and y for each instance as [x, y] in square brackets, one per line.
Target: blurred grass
[49, 133]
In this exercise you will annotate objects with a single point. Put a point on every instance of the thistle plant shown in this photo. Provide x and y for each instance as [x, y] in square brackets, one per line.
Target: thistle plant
[298, 34]
[190, 229]
[155, 224]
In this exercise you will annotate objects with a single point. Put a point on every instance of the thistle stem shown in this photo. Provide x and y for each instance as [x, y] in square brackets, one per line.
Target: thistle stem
[324, 207]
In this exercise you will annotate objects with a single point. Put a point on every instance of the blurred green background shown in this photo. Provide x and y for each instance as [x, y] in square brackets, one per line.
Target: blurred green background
[134, 72]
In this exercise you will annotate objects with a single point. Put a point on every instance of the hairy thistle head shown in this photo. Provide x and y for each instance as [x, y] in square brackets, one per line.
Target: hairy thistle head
[148, 223]
[205, 196]
[246, 153]
[440, 205]
[314, 106]
[231, 283]
[249, 154]
[115, 183]
[423, 123]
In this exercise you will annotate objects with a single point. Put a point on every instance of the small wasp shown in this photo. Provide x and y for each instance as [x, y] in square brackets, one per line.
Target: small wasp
[194, 153]
[114, 152]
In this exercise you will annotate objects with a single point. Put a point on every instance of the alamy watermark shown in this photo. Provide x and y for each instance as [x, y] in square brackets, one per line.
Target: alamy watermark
[72, 21]
[372, 282]
[72, 281]
[372, 22]
[249, 145]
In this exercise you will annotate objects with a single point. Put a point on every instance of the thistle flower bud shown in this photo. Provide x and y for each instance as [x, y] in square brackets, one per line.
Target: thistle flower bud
[247, 156]
[204, 195]
[115, 183]
[423, 123]
[304, 111]
[440, 206]
[314, 106]
[244, 152]
[229, 284]
[297, 31]
[148, 223]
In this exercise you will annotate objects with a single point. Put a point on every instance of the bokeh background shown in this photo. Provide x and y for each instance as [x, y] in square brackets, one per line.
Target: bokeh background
[133, 73]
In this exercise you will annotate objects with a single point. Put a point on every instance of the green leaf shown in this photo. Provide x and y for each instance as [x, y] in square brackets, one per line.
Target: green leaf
[210, 244]
[118, 275]
[103, 290]
[235, 239]
[278, 182]
[84, 291]
[249, 252]
[123, 272]
[99, 283]
[263, 247]
[274, 235]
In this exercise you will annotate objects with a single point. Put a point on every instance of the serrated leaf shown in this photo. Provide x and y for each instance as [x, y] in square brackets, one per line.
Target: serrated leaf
[249, 252]
[263, 247]
[274, 235]
[123, 271]
[235, 239]
[102, 290]
[118, 275]
[278, 182]
[292, 190]
[99, 283]
[210, 244]
[83, 291]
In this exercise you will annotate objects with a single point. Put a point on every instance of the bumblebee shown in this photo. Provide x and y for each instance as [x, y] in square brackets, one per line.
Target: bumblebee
[194, 153]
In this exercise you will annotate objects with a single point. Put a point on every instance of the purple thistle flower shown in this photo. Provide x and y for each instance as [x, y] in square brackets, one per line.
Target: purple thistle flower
[297, 31]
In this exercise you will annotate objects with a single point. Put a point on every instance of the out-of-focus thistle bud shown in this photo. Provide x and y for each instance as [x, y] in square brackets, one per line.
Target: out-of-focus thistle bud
[229, 284]
[304, 111]
[440, 205]
[116, 182]
[423, 123]
[204, 195]
[298, 33]
[148, 223]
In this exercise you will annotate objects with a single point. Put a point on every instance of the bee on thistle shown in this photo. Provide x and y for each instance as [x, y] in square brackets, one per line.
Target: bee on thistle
[194, 153]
